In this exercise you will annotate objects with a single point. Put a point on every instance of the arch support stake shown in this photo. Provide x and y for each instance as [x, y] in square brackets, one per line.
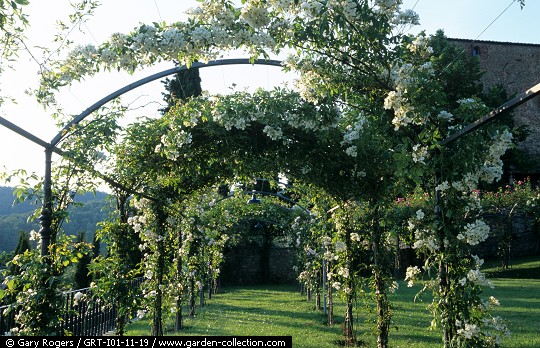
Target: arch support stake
[47, 206]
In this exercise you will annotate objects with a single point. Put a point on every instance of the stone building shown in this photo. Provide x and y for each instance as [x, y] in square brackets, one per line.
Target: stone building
[515, 66]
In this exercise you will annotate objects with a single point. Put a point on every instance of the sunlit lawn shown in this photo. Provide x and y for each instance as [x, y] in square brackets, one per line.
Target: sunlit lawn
[520, 307]
[281, 310]
[256, 311]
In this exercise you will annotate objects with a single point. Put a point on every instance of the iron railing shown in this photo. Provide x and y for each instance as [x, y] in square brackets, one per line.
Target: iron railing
[83, 315]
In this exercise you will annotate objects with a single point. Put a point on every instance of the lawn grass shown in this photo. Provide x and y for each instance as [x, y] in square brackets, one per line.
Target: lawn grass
[256, 311]
[282, 311]
[520, 307]
[522, 268]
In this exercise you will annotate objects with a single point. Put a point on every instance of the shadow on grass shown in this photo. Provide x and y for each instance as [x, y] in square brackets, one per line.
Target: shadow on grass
[515, 273]
[434, 341]
[527, 267]
[280, 310]
[262, 318]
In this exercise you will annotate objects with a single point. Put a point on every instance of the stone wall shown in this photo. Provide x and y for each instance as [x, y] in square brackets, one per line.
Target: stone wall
[244, 265]
[523, 239]
[516, 66]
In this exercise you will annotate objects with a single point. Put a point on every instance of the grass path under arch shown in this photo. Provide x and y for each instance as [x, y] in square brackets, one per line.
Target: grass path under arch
[282, 311]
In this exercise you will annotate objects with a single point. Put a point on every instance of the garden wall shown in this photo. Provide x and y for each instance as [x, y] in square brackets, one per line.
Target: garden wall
[520, 235]
[246, 265]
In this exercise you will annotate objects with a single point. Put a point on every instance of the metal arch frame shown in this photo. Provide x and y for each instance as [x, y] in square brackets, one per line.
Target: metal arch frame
[46, 211]
[265, 193]
[156, 76]
[509, 105]
[64, 132]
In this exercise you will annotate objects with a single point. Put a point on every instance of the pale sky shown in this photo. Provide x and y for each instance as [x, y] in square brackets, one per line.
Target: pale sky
[459, 18]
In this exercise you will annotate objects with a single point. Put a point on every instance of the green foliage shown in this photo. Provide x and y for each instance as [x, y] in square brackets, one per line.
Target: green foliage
[13, 23]
[366, 126]
[5, 257]
[458, 72]
[82, 277]
[521, 195]
[37, 289]
[113, 274]
[22, 246]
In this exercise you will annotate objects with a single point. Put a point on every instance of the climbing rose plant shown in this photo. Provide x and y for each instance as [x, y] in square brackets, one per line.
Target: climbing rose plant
[382, 92]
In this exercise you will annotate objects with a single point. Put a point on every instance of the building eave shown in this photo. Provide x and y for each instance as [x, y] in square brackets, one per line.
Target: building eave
[504, 43]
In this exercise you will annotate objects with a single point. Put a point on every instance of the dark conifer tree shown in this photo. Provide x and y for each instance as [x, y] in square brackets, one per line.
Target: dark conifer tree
[184, 85]
[23, 244]
[82, 278]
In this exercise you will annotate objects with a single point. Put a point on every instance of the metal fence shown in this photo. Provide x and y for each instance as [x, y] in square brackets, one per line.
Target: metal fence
[84, 316]
[7, 320]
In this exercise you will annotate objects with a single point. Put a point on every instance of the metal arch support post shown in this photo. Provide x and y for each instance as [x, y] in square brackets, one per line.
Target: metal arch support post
[510, 105]
[46, 212]
[46, 216]
[324, 281]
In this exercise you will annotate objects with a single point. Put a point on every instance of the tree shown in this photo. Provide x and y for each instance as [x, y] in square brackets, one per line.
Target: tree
[13, 23]
[82, 278]
[184, 85]
[23, 244]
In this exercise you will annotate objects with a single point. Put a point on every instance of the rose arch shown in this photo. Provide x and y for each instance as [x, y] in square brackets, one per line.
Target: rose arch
[212, 141]
[370, 125]
[72, 125]
[223, 141]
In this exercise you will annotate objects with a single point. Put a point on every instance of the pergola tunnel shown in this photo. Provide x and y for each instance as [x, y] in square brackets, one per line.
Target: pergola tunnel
[217, 156]
[382, 174]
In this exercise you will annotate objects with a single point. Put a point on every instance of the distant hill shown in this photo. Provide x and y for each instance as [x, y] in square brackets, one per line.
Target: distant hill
[6, 203]
[13, 218]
